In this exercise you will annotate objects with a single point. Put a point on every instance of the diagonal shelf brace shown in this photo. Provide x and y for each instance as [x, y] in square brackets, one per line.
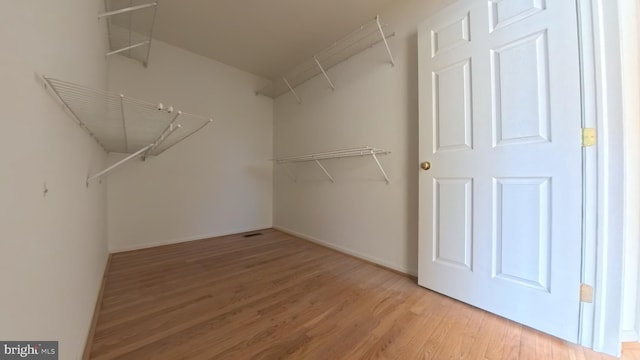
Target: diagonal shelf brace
[184, 138]
[324, 73]
[124, 123]
[172, 129]
[325, 171]
[291, 89]
[127, 48]
[384, 38]
[375, 157]
[163, 135]
[153, 25]
[119, 163]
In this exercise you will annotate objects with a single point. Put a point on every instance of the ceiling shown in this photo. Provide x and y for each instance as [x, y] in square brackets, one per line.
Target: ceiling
[263, 37]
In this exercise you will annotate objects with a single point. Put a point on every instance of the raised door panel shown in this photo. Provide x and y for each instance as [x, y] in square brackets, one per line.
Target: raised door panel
[522, 231]
[452, 116]
[521, 103]
[452, 224]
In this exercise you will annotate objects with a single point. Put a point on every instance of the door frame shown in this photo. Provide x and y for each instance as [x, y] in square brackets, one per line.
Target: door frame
[603, 174]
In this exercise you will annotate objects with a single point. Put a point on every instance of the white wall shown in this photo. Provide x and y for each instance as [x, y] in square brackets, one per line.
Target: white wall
[52, 248]
[374, 104]
[217, 182]
[629, 29]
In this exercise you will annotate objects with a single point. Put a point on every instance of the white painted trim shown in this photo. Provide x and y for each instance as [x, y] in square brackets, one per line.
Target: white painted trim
[601, 53]
[629, 336]
[628, 13]
[186, 239]
[345, 250]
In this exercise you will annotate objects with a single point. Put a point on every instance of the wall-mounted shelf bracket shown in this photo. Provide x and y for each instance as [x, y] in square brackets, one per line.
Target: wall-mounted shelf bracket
[324, 73]
[127, 48]
[336, 154]
[384, 38]
[325, 171]
[291, 89]
[118, 164]
[375, 157]
[171, 127]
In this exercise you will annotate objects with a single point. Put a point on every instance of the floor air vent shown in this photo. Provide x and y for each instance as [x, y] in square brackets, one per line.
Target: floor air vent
[252, 235]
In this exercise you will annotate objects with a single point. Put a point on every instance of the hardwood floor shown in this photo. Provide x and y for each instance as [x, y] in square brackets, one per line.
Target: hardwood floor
[275, 296]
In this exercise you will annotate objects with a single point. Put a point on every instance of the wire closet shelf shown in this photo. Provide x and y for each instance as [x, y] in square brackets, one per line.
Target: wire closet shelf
[360, 39]
[121, 124]
[130, 25]
[337, 154]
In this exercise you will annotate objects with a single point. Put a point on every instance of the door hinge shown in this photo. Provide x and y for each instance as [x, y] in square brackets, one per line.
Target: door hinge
[586, 293]
[589, 137]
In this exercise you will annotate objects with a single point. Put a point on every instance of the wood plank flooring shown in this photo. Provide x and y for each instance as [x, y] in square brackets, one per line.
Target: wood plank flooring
[278, 297]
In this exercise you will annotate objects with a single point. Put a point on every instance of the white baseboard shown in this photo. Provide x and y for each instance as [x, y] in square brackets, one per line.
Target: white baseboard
[186, 239]
[629, 336]
[346, 250]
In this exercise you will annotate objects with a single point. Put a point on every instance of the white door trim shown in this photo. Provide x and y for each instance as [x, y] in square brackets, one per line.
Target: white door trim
[602, 253]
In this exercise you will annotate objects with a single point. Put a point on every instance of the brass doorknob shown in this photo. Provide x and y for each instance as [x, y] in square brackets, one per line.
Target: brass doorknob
[425, 165]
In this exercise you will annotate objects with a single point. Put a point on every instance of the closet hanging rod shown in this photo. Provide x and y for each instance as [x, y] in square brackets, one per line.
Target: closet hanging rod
[126, 10]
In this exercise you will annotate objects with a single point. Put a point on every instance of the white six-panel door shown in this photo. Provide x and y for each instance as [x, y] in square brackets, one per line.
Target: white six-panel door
[500, 118]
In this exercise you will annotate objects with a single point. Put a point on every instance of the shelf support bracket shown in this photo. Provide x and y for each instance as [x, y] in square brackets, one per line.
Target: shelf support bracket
[324, 73]
[153, 25]
[386, 178]
[325, 171]
[124, 124]
[384, 38]
[127, 48]
[121, 162]
[126, 10]
[164, 134]
[291, 89]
